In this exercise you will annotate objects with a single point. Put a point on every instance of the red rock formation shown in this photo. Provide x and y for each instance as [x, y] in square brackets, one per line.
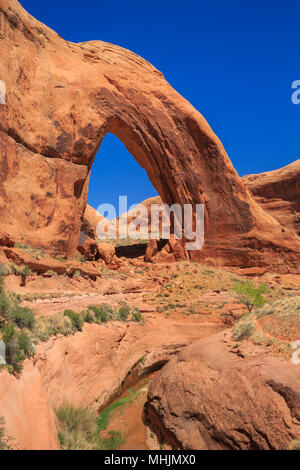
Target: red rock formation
[278, 192]
[91, 219]
[214, 397]
[62, 99]
[29, 419]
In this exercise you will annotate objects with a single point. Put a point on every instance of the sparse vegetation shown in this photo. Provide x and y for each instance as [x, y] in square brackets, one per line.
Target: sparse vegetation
[18, 347]
[185, 282]
[104, 313]
[76, 273]
[4, 440]
[76, 320]
[34, 252]
[103, 419]
[275, 324]
[20, 330]
[51, 273]
[79, 430]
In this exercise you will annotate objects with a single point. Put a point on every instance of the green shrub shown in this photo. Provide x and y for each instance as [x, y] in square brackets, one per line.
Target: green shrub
[124, 312]
[137, 316]
[76, 319]
[18, 347]
[103, 313]
[23, 317]
[5, 304]
[250, 295]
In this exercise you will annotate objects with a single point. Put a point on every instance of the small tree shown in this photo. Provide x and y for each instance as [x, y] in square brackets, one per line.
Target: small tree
[251, 295]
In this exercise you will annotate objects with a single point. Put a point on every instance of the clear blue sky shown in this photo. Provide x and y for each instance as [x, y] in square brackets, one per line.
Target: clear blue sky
[234, 61]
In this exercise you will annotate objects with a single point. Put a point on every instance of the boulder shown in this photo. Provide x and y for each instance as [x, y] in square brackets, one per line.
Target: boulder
[151, 250]
[89, 249]
[214, 396]
[106, 251]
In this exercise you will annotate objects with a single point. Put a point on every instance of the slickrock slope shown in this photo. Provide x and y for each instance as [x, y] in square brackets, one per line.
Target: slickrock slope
[213, 396]
[278, 192]
[29, 419]
[62, 99]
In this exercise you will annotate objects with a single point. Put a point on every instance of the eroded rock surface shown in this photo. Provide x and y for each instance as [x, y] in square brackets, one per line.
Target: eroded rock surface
[278, 192]
[214, 396]
[62, 99]
[29, 419]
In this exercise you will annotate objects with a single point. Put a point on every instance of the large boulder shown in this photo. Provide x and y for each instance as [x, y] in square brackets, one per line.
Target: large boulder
[89, 249]
[106, 251]
[214, 396]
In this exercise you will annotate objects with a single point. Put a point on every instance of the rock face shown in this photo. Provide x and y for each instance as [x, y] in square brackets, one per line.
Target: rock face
[278, 192]
[90, 221]
[62, 99]
[29, 419]
[214, 397]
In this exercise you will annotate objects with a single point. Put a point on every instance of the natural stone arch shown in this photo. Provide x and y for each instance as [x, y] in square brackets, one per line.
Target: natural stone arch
[62, 98]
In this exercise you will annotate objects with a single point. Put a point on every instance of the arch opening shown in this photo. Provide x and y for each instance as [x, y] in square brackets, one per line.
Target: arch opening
[118, 178]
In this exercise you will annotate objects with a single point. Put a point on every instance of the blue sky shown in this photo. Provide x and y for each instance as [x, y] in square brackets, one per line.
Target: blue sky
[234, 61]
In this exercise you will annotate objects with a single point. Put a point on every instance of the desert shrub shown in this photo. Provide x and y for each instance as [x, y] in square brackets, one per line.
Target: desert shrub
[4, 440]
[13, 269]
[124, 312]
[137, 316]
[76, 319]
[34, 252]
[52, 325]
[103, 312]
[5, 304]
[243, 330]
[11, 312]
[78, 430]
[79, 257]
[89, 316]
[21, 316]
[76, 273]
[250, 295]
[18, 347]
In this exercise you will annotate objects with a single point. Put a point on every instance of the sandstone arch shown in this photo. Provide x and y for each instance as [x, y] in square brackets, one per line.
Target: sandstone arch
[62, 98]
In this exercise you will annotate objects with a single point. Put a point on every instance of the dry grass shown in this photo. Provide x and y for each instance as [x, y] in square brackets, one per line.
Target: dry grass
[276, 324]
[185, 282]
